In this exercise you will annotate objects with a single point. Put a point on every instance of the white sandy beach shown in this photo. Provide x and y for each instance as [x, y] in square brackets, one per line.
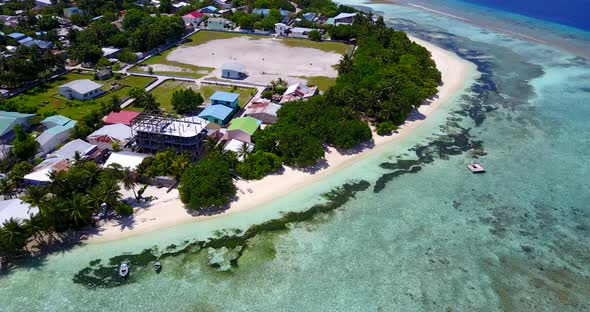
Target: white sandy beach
[168, 210]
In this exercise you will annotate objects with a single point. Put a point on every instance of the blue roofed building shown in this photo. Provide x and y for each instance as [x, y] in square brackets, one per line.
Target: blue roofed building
[219, 114]
[266, 12]
[54, 136]
[17, 36]
[208, 10]
[7, 122]
[225, 98]
[42, 44]
[309, 16]
[25, 40]
[55, 120]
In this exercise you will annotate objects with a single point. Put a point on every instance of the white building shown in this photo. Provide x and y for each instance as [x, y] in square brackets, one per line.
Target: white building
[298, 91]
[82, 89]
[104, 137]
[42, 3]
[300, 32]
[41, 172]
[236, 145]
[68, 151]
[282, 29]
[125, 159]
[344, 19]
[16, 209]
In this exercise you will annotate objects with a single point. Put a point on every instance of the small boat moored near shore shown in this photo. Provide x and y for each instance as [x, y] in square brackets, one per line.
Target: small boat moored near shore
[124, 270]
[476, 168]
[157, 265]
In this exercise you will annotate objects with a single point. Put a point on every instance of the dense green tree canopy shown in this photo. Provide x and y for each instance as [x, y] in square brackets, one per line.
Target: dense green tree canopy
[186, 101]
[24, 146]
[207, 183]
[259, 164]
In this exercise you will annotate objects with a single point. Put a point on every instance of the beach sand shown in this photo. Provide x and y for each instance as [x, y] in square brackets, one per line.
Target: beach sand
[167, 210]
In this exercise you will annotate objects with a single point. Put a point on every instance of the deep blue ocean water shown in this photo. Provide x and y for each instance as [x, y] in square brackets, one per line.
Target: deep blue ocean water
[575, 13]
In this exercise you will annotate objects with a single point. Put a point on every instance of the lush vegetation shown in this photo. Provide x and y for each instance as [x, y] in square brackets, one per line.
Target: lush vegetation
[69, 201]
[186, 101]
[208, 183]
[388, 76]
[28, 65]
[24, 146]
[258, 165]
[165, 163]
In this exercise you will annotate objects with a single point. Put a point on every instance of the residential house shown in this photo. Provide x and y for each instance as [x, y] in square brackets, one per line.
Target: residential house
[344, 19]
[122, 117]
[41, 172]
[81, 89]
[224, 4]
[263, 110]
[219, 114]
[69, 150]
[42, 44]
[236, 146]
[243, 128]
[216, 23]
[24, 40]
[111, 135]
[225, 98]
[233, 71]
[208, 10]
[193, 18]
[10, 20]
[42, 3]
[16, 209]
[282, 29]
[266, 12]
[298, 91]
[55, 120]
[7, 122]
[54, 136]
[110, 52]
[68, 12]
[179, 5]
[158, 132]
[129, 160]
[104, 73]
[300, 32]
[17, 36]
[310, 16]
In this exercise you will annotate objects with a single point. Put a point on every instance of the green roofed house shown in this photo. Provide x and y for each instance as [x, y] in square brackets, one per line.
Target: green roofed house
[7, 122]
[243, 128]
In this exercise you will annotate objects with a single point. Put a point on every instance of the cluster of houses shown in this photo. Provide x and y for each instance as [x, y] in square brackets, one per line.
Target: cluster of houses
[286, 28]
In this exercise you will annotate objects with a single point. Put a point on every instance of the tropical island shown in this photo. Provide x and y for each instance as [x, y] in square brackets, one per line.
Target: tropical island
[118, 117]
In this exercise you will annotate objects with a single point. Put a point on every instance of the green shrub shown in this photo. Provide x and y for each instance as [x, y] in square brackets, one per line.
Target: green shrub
[385, 128]
[123, 209]
[258, 165]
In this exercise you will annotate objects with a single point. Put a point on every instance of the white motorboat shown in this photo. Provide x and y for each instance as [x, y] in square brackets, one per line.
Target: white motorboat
[124, 270]
[157, 265]
[476, 168]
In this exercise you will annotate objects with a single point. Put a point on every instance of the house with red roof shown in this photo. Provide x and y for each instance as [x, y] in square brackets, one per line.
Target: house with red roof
[122, 117]
[193, 18]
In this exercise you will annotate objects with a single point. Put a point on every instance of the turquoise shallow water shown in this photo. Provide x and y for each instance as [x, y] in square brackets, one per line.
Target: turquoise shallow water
[425, 235]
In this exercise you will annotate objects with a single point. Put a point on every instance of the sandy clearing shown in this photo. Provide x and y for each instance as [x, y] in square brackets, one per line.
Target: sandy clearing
[264, 59]
[168, 210]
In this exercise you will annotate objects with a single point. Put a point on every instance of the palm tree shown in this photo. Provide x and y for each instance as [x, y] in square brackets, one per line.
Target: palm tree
[149, 102]
[35, 226]
[345, 65]
[6, 188]
[128, 181]
[78, 209]
[95, 198]
[34, 195]
[244, 151]
[110, 192]
[13, 236]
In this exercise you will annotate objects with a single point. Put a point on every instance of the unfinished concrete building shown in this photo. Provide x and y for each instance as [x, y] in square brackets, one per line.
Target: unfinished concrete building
[158, 132]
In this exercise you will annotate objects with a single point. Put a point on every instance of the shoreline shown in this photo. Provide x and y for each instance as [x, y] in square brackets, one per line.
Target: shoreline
[168, 210]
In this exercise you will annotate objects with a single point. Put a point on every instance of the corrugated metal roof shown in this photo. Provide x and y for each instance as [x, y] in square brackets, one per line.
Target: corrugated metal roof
[224, 96]
[56, 119]
[246, 124]
[233, 66]
[82, 86]
[216, 111]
